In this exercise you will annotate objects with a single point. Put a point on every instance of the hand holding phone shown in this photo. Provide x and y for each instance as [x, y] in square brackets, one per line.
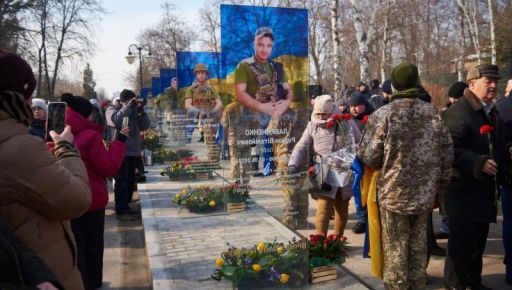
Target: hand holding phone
[126, 122]
[66, 135]
[56, 118]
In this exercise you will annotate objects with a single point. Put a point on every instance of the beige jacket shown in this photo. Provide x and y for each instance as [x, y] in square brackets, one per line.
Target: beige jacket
[38, 197]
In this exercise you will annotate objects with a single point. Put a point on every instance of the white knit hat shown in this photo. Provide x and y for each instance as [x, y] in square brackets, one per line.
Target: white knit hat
[323, 105]
[39, 103]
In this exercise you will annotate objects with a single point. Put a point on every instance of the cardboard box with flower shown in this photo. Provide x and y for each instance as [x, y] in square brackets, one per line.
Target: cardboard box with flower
[264, 265]
[200, 199]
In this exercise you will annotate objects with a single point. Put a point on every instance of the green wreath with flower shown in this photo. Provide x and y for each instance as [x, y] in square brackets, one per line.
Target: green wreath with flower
[200, 199]
[271, 263]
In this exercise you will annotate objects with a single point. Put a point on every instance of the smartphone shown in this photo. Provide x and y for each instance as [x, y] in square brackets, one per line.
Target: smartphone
[56, 118]
[126, 122]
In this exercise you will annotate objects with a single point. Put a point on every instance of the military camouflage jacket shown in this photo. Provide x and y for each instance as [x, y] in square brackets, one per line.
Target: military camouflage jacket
[409, 144]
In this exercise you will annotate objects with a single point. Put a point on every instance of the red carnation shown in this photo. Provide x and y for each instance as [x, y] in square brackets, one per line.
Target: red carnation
[337, 117]
[314, 239]
[346, 116]
[311, 170]
[486, 129]
[329, 124]
[364, 120]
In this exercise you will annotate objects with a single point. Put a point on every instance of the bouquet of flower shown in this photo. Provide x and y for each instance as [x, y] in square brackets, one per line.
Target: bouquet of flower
[178, 170]
[199, 199]
[270, 263]
[150, 139]
[327, 251]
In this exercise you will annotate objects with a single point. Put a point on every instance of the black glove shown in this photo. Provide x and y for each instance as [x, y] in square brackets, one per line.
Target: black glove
[133, 103]
[292, 169]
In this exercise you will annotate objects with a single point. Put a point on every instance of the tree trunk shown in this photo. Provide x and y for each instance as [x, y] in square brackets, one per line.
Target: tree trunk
[385, 39]
[460, 41]
[493, 30]
[362, 41]
[473, 28]
[338, 81]
[477, 31]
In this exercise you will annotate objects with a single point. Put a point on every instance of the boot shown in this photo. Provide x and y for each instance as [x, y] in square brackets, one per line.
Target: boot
[202, 137]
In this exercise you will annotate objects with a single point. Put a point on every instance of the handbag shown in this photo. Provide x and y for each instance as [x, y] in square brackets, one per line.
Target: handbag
[318, 172]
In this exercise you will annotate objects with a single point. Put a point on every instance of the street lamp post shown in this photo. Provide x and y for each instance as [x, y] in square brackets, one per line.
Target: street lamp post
[130, 58]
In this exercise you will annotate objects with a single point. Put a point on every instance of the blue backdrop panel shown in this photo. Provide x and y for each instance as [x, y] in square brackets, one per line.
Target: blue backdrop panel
[144, 92]
[156, 88]
[238, 24]
[186, 61]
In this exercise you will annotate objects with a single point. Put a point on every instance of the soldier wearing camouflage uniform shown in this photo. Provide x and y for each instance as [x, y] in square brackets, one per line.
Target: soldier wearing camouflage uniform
[203, 101]
[263, 105]
[407, 142]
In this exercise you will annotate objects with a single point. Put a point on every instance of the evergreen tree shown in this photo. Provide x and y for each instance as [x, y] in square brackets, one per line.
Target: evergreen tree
[88, 83]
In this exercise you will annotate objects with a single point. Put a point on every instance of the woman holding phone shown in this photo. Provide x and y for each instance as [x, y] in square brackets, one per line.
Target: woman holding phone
[39, 192]
[100, 163]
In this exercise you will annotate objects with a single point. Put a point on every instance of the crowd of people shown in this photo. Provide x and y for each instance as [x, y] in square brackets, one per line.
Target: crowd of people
[54, 189]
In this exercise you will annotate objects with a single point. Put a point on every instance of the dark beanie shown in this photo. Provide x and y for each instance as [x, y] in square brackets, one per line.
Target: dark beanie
[16, 74]
[405, 76]
[457, 90]
[356, 99]
[386, 87]
[126, 95]
[79, 104]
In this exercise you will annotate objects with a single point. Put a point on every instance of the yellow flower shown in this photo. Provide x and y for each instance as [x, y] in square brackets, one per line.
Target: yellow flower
[260, 247]
[280, 250]
[212, 203]
[219, 262]
[178, 196]
[284, 278]
[256, 267]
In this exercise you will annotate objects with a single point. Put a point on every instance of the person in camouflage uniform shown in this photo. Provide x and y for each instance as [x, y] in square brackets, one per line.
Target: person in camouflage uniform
[407, 142]
[203, 101]
[168, 101]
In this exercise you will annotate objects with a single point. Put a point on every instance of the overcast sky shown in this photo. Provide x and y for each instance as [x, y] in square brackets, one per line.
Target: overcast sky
[119, 27]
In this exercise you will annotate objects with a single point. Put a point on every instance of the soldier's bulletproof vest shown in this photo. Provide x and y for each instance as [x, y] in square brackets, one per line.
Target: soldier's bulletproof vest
[269, 87]
[202, 97]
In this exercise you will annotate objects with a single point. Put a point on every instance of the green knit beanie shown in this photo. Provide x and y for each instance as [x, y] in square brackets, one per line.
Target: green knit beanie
[404, 76]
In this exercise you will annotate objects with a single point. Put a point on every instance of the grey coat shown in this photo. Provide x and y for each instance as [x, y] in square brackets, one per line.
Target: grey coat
[137, 122]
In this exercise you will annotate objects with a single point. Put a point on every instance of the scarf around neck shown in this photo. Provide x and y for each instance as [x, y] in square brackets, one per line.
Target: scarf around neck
[405, 94]
[13, 103]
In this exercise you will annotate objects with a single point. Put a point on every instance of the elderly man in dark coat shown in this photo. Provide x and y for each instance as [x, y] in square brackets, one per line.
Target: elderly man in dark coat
[471, 197]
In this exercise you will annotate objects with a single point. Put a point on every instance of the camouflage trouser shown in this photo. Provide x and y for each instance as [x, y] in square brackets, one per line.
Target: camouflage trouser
[296, 202]
[236, 120]
[212, 149]
[404, 241]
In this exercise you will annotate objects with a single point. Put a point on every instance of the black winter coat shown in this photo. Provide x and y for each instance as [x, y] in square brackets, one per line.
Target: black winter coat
[38, 128]
[20, 267]
[470, 197]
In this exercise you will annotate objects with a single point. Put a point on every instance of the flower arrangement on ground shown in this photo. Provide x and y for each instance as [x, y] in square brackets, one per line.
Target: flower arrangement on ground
[264, 264]
[162, 155]
[178, 170]
[150, 139]
[236, 192]
[327, 250]
[200, 199]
